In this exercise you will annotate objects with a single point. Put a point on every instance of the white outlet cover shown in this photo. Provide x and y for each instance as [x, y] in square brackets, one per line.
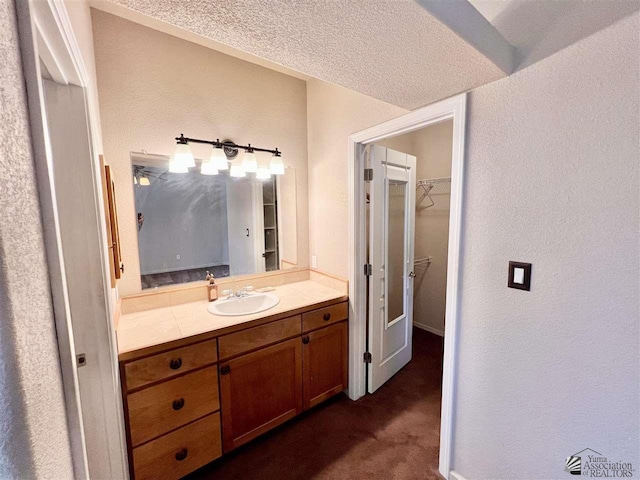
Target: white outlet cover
[177, 257]
[314, 261]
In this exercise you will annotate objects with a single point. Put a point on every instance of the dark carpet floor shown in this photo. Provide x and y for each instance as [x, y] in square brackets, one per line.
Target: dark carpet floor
[392, 434]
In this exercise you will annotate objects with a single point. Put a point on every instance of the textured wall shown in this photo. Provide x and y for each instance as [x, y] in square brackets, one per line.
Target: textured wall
[154, 86]
[552, 179]
[334, 113]
[34, 441]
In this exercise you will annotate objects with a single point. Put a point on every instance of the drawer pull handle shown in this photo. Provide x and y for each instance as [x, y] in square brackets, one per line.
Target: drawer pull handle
[225, 370]
[178, 404]
[305, 340]
[326, 317]
[175, 364]
[182, 454]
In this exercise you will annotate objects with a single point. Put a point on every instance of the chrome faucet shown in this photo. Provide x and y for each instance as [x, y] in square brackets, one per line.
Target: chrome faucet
[243, 292]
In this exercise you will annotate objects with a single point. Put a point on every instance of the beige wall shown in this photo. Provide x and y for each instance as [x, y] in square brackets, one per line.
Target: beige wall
[432, 148]
[334, 113]
[154, 86]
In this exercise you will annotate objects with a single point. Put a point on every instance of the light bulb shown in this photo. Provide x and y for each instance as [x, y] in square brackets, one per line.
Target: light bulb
[219, 159]
[177, 166]
[144, 181]
[249, 162]
[183, 154]
[276, 166]
[208, 168]
[263, 173]
[237, 171]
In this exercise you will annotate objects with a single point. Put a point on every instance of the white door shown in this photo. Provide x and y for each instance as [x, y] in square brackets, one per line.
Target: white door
[392, 225]
[81, 263]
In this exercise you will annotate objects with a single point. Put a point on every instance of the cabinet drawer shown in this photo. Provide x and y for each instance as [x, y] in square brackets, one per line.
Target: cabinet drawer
[256, 337]
[180, 452]
[169, 364]
[325, 316]
[171, 404]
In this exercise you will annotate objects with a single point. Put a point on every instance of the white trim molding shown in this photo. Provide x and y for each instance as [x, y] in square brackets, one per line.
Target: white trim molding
[452, 108]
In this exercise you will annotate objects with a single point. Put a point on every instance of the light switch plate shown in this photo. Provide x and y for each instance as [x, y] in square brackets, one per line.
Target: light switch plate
[519, 275]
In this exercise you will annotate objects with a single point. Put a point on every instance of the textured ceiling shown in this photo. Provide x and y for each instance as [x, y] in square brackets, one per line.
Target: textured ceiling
[393, 50]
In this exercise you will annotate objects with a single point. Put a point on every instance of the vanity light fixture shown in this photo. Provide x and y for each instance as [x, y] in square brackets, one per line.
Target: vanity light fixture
[249, 161]
[276, 166]
[237, 171]
[218, 158]
[263, 173]
[207, 167]
[177, 166]
[183, 153]
[183, 159]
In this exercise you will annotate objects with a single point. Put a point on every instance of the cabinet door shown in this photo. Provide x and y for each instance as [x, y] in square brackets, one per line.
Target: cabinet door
[325, 363]
[259, 391]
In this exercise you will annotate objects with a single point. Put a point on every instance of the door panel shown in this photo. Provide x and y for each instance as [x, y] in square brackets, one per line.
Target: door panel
[325, 363]
[259, 391]
[392, 221]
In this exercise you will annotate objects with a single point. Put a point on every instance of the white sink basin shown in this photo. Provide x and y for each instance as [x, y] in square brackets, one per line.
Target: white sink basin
[253, 303]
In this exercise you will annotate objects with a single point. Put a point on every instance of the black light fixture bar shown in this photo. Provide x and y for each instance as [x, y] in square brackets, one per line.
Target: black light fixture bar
[218, 144]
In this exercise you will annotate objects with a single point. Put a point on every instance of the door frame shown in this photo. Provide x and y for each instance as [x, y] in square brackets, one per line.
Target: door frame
[452, 108]
[46, 33]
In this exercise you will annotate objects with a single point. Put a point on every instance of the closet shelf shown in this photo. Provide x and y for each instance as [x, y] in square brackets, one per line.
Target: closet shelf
[432, 186]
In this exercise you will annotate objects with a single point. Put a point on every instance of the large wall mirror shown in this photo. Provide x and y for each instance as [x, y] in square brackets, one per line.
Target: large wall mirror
[190, 223]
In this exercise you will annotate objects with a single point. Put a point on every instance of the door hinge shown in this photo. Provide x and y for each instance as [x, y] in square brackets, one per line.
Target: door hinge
[367, 357]
[81, 359]
[368, 174]
[368, 270]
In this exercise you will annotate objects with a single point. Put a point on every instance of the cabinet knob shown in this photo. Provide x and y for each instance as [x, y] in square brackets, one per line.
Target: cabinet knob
[305, 340]
[175, 363]
[326, 317]
[225, 370]
[182, 454]
[178, 404]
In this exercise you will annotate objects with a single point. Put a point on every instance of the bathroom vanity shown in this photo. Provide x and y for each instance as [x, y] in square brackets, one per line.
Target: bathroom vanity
[197, 385]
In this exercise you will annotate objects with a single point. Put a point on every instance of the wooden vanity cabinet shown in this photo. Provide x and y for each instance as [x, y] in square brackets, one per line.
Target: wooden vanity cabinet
[324, 363]
[259, 391]
[188, 403]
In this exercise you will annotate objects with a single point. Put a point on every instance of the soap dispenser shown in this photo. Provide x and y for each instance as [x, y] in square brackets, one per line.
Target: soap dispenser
[212, 288]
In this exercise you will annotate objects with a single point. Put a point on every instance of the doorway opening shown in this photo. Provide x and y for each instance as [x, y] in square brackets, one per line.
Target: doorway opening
[406, 204]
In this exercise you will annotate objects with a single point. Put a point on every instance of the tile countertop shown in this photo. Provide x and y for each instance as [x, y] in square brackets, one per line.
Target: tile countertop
[161, 325]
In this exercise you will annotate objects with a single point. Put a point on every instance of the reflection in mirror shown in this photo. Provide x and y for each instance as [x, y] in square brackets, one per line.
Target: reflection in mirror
[396, 244]
[189, 223]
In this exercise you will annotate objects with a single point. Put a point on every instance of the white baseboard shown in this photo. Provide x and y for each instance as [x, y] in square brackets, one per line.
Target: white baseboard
[453, 475]
[428, 328]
